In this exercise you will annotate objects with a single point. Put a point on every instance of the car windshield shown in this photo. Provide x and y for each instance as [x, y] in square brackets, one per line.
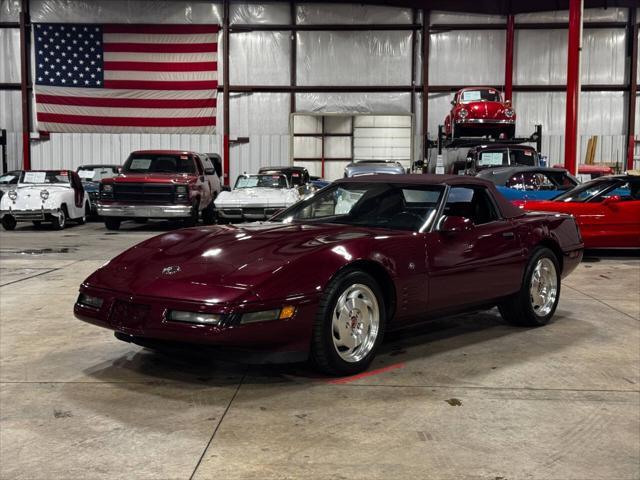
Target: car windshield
[586, 191]
[492, 159]
[380, 205]
[9, 178]
[95, 174]
[60, 177]
[523, 157]
[159, 163]
[480, 95]
[263, 181]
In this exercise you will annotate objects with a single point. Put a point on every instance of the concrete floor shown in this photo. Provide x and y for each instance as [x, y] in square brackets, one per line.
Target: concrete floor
[468, 397]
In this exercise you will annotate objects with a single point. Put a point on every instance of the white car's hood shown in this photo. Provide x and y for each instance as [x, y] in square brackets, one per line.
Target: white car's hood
[29, 197]
[258, 197]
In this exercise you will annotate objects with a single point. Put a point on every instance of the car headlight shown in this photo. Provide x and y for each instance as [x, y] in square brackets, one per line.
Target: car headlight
[12, 194]
[194, 317]
[268, 315]
[44, 194]
[181, 189]
[463, 113]
[509, 113]
[90, 301]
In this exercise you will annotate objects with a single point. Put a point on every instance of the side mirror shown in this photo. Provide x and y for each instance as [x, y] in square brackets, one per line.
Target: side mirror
[452, 224]
[453, 102]
[613, 199]
[209, 171]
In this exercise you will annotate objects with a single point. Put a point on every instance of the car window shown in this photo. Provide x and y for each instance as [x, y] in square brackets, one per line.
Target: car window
[492, 159]
[626, 191]
[589, 191]
[159, 163]
[49, 176]
[95, 174]
[522, 157]
[472, 203]
[480, 95]
[9, 178]
[263, 181]
[380, 205]
[531, 181]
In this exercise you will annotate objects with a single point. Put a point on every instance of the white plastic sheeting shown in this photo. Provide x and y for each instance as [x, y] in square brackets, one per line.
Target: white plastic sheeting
[465, 18]
[126, 11]
[541, 57]
[399, 102]
[354, 58]
[351, 13]
[9, 10]
[10, 55]
[260, 58]
[562, 16]
[10, 120]
[467, 57]
[259, 13]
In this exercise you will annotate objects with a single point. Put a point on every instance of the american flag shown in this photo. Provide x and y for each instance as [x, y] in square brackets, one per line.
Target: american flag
[126, 78]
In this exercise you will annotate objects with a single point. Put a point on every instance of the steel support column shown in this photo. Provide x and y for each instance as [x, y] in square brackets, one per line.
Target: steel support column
[508, 62]
[225, 93]
[573, 85]
[632, 33]
[426, 37]
[25, 83]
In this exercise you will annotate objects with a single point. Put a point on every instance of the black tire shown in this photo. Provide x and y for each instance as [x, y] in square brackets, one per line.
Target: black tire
[192, 219]
[37, 224]
[210, 214]
[9, 222]
[87, 212]
[324, 353]
[60, 221]
[141, 220]
[112, 223]
[519, 309]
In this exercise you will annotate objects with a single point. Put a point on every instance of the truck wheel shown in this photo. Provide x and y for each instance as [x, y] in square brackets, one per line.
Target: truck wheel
[192, 219]
[538, 298]
[60, 221]
[9, 222]
[112, 223]
[210, 213]
[349, 325]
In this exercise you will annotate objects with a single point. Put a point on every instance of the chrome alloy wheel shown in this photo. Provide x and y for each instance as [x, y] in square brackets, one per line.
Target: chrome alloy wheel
[356, 322]
[544, 287]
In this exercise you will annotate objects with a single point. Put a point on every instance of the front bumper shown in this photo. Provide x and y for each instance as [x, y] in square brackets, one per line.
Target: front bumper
[484, 121]
[144, 320]
[147, 211]
[34, 215]
[248, 213]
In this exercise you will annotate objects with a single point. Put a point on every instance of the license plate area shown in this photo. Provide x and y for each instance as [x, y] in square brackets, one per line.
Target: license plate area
[128, 316]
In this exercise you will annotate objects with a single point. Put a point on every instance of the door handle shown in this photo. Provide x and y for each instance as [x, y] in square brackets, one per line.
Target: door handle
[509, 235]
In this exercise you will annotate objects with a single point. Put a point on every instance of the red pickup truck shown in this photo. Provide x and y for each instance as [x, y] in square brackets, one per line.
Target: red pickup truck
[161, 184]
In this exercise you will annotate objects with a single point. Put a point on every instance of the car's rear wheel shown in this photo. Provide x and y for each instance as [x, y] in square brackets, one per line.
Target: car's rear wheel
[83, 219]
[210, 213]
[9, 222]
[192, 219]
[349, 324]
[538, 298]
[112, 223]
[60, 221]
[37, 223]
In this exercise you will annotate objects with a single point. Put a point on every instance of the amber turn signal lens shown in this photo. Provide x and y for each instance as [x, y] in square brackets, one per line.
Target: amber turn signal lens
[287, 312]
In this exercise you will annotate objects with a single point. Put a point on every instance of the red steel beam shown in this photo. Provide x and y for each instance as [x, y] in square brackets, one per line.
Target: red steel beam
[508, 62]
[225, 92]
[25, 79]
[573, 85]
[632, 31]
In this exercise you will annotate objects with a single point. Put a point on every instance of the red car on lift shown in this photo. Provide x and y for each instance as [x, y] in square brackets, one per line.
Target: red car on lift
[326, 277]
[606, 209]
[480, 111]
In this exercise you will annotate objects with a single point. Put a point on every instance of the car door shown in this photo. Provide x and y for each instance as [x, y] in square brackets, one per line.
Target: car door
[476, 265]
[205, 187]
[78, 195]
[211, 175]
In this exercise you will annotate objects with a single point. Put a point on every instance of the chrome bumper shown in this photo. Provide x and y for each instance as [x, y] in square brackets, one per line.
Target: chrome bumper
[146, 211]
[30, 215]
[486, 121]
[248, 213]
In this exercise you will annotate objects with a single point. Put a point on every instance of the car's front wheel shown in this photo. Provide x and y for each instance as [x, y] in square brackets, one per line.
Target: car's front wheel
[112, 223]
[9, 222]
[60, 221]
[349, 325]
[209, 214]
[537, 300]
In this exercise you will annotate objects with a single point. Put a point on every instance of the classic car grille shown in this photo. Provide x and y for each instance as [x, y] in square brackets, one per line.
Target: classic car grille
[128, 316]
[143, 192]
[253, 211]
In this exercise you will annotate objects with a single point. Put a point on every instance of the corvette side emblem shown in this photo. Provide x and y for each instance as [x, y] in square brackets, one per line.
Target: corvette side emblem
[171, 270]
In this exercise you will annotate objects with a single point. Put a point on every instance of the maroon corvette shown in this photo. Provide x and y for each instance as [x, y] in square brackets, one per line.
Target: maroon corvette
[327, 277]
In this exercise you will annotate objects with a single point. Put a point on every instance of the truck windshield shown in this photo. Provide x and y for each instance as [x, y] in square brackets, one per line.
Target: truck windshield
[159, 163]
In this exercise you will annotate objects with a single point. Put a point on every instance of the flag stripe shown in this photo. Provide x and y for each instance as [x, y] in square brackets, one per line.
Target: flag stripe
[157, 85]
[159, 29]
[162, 66]
[160, 76]
[160, 57]
[135, 94]
[127, 121]
[126, 102]
[77, 128]
[126, 112]
[161, 47]
[144, 38]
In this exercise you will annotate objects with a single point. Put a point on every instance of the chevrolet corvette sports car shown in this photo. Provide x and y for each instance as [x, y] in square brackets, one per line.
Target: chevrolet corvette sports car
[606, 209]
[325, 278]
[530, 183]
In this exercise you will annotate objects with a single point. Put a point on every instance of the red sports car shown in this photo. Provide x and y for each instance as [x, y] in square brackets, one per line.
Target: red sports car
[606, 209]
[480, 111]
[325, 278]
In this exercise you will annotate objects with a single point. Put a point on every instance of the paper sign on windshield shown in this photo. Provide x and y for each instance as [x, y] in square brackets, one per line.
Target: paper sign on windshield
[491, 158]
[87, 174]
[140, 164]
[34, 177]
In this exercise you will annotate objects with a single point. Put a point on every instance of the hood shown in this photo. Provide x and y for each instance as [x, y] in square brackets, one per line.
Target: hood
[484, 109]
[29, 197]
[220, 264]
[151, 178]
[244, 197]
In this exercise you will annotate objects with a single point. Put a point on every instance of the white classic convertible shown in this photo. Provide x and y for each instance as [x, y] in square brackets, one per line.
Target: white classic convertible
[45, 196]
[256, 197]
